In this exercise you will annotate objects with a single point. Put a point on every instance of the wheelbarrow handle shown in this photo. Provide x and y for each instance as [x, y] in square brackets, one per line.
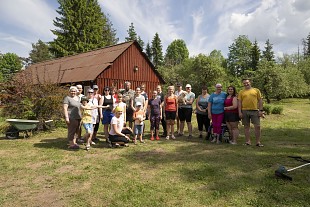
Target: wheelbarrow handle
[298, 167]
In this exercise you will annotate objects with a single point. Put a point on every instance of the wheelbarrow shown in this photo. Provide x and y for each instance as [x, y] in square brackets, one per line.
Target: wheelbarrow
[20, 125]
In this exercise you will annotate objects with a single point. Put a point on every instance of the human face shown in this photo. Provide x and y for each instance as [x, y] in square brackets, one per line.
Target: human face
[106, 91]
[218, 89]
[246, 84]
[188, 89]
[170, 90]
[230, 90]
[158, 89]
[118, 114]
[142, 87]
[80, 89]
[138, 91]
[204, 91]
[90, 94]
[72, 92]
[154, 94]
[120, 98]
[127, 86]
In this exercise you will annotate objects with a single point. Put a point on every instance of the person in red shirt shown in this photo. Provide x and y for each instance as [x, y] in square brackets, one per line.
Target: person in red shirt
[171, 108]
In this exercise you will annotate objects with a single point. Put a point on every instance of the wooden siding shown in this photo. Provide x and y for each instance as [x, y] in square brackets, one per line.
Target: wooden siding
[123, 70]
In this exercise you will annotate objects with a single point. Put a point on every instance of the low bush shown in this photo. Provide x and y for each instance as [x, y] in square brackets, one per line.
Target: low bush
[277, 110]
[267, 108]
[24, 100]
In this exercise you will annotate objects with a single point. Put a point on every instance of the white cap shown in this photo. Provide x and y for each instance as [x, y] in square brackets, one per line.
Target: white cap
[138, 104]
[188, 86]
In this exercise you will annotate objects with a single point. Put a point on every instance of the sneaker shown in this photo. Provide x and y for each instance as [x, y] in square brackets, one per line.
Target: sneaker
[87, 147]
[80, 140]
[93, 143]
[167, 137]
[116, 145]
[172, 137]
[231, 142]
[179, 135]
[126, 145]
[213, 140]
[164, 134]
[259, 145]
[157, 138]
[142, 141]
[95, 139]
[152, 138]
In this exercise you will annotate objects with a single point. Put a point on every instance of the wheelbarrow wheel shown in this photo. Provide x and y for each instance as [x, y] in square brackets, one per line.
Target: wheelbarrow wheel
[12, 133]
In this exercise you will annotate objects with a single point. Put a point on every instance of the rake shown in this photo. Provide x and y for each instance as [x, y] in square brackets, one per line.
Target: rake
[280, 172]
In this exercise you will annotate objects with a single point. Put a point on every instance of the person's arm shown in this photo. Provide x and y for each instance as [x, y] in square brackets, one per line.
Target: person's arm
[65, 107]
[209, 110]
[240, 108]
[197, 106]
[131, 104]
[100, 109]
[146, 101]
[234, 106]
[260, 107]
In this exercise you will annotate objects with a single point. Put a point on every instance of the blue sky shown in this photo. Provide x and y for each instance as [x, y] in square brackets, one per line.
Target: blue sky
[204, 25]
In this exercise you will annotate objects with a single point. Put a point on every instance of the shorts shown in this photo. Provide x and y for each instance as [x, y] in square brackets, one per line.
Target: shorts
[185, 114]
[231, 117]
[107, 117]
[138, 129]
[170, 115]
[250, 115]
[88, 127]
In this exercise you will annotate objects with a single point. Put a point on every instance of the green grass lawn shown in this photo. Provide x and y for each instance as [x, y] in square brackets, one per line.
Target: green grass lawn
[40, 171]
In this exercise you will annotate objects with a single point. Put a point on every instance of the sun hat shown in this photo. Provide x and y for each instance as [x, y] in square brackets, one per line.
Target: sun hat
[73, 88]
[188, 86]
[118, 109]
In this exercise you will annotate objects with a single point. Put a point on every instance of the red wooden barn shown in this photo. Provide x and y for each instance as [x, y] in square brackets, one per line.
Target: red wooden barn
[109, 66]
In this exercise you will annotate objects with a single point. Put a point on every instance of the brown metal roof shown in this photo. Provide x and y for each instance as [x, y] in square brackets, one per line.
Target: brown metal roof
[81, 67]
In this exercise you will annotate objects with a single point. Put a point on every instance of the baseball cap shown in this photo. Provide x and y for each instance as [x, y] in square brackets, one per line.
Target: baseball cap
[188, 86]
[90, 90]
[95, 87]
[179, 84]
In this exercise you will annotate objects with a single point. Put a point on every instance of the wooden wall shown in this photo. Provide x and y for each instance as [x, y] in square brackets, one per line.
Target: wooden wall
[123, 70]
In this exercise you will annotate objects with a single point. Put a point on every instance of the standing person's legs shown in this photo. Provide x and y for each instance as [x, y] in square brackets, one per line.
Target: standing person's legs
[235, 131]
[168, 128]
[94, 136]
[188, 118]
[217, 120]
[152, 126]
[206, 123]
[178, 125]
[181, 115]
[73, 128]
[157, 122]
[164, 125]
[256, 122]
[199, 118]
[246, 124]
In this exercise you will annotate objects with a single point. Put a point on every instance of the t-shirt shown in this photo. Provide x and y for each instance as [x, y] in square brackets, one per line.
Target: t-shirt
[95, 115]
[188, 97]
[138, 114]
[127, 97]
[140, 99]
[170, 104]
[217, 102]
[73, 107]
[155, 106]
[249, 98]
[119, 125]
[177, 93]
[86, 115]
[203, 104]
[229, 102]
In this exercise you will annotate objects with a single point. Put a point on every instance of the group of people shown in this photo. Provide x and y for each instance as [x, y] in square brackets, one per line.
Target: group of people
[116, 108]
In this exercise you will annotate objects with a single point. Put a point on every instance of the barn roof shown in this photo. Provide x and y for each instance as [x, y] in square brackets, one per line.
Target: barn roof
[77, 68]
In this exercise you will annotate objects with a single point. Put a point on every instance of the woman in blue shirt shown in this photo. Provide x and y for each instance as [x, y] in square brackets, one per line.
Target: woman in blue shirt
[216, 111]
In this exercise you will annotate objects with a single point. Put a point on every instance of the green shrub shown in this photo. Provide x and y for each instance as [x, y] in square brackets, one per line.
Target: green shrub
[24, 100]
[277, 110]
[267, 108]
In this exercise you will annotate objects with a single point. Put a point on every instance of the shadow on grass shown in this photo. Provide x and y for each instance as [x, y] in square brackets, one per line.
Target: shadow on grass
[56, 143]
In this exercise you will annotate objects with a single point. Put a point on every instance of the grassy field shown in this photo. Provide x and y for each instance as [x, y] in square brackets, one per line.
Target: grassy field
[40, 171]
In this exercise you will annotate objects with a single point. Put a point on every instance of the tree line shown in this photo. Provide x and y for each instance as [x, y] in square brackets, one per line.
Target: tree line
[82, 26]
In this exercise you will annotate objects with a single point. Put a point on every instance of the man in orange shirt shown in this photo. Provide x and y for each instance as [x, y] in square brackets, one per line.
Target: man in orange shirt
[250, 108]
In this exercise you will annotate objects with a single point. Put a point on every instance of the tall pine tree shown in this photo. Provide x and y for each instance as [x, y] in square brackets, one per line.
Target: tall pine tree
[148, 51]
[40, 52]
[132, 35]
[79, 27]
[109, 33]
[268, 53]
[255, 55]
[157, 51]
